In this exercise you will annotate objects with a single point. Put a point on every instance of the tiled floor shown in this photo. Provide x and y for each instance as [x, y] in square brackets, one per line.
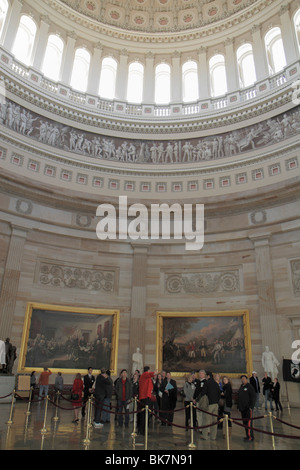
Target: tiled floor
[26, 432]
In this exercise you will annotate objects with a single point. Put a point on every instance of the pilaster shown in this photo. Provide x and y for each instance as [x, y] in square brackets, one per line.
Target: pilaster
[10, 282]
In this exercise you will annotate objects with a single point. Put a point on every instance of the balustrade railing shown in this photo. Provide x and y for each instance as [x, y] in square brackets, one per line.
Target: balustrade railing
[65, 93]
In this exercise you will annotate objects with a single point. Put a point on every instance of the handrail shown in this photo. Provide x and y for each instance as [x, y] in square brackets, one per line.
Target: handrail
[178, 110]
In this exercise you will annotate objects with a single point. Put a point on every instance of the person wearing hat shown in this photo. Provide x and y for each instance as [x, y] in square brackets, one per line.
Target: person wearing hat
[255, 384]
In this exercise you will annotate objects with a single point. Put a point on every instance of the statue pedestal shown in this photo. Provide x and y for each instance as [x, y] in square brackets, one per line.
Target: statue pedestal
[7, 386]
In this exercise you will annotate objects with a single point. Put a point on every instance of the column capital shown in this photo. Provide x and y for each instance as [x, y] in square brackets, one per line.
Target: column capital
[45, 19]
[124, 52]
[260, 239]
[176, 55]
[19, 231]
[202, 50]
[255, 28]
[229, 41]
[72, 35]
[98, 46]
[284, 9]
[141, 247]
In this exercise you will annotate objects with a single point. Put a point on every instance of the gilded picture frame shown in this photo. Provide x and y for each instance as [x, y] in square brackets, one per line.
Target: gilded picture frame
[69, 339]
[217, 341]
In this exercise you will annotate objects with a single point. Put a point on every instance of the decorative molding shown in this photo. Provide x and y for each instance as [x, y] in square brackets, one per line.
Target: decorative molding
[258, 217]
[202, 282]
[153, 152]
[178, 19]
[196, 117]
[68, 276]
[295, 271]
[24, 207]
[83, 220]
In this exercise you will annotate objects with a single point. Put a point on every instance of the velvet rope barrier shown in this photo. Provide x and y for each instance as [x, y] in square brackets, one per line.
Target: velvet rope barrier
[5, 396]
[262, 431]
[163, 420]
[105, 408]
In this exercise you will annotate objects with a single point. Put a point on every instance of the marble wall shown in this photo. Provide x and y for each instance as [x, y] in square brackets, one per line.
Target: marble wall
[255, 267]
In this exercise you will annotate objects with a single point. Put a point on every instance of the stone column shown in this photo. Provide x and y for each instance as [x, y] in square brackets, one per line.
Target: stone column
[204, 91]
[68, 59]
[266, 294]
[149, 80]
[176, 79]
[259, 54]
[95, 70]
[10, 282]
[11, 24]
[122, 76]
[288, 36]
[40, 43]
[231, 66]
[138, 299]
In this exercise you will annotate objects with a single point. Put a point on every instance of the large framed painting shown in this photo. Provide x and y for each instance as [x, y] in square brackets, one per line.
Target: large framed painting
[215, 341]
[69, 339]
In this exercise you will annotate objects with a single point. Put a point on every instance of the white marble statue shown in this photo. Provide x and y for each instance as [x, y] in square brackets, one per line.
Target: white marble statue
[137, 361]
[269, 363]
[2, 353]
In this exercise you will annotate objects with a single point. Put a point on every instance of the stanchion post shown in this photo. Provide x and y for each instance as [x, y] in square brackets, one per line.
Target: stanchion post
[56, 418]
[89, 412]
[91, 401]
[287, 396]
[191, 444]
[44, 429]
[227, 431]
[10, 421]
[28, 412]
[272, 430]
[88, 424]
[134, 433]
[146, 426]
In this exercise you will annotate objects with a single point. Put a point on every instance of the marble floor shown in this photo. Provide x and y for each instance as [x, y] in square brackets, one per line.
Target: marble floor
[55, 431]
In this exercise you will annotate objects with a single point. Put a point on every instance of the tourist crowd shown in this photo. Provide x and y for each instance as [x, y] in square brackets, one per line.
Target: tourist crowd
[207, 398]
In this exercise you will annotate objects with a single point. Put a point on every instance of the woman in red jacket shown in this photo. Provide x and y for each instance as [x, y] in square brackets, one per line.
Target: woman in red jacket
[145, 391]
[77, 390]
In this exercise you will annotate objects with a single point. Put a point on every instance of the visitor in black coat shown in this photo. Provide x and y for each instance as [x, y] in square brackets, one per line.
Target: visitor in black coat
[246, 403]
[169, 399]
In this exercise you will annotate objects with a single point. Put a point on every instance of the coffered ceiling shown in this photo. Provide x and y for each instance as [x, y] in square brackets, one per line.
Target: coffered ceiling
[158, 15]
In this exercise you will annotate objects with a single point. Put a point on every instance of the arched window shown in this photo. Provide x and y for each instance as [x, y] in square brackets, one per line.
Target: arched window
[190, 90]
[246, 67]
[53, 57]
[3, 13]
[135, 83]
[107, 87]
[217, 73]
[275, 50]
[162, 84]
[297, 25]
[24, 40]
[80, 72]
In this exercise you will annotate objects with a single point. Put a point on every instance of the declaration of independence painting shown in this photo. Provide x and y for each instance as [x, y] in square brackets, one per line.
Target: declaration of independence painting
[69, 339]
[215, 341]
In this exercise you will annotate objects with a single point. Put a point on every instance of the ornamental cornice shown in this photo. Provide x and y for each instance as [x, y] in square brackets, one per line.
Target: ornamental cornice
[30, 193]
[155, 35]
[236, 114]
[292, 148]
